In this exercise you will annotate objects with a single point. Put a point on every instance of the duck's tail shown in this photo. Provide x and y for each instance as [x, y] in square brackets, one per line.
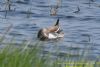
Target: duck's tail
[57, 23]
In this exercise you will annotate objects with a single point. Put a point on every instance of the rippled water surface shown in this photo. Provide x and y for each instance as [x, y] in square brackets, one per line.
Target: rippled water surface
[82, 29]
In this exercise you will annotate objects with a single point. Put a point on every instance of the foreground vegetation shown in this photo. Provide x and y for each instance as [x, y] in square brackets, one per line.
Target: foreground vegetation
[10, 56]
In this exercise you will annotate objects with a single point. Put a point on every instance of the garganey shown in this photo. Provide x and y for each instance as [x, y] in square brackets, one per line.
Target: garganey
[52, 32]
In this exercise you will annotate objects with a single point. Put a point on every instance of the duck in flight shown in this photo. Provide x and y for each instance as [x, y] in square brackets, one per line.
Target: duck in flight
[52, 32]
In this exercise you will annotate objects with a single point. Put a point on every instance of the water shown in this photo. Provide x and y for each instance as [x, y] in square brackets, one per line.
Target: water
[82, 29]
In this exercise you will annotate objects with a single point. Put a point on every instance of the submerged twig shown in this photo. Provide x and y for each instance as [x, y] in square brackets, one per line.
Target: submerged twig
[90, 2]
[8, 5]
[54, 9]
[29, 13]
[6, 13]
[58, 3]
[78, 10]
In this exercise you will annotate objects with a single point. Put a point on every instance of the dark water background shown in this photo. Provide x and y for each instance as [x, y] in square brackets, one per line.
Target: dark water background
[82, 29]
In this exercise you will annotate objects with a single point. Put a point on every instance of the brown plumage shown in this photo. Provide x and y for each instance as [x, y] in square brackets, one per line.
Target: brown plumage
[54, 28]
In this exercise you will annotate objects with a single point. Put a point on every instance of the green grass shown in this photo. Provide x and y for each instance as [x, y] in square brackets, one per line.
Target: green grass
[15, 57]
[11, 56]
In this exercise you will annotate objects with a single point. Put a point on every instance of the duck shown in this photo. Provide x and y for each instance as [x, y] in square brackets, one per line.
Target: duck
[52, 32]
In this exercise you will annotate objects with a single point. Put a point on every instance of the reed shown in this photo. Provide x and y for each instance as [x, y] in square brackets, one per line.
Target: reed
[29, 12]
[11, 56]
[54, 8]
[78, 10]
[8, 5]
[90, 2]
